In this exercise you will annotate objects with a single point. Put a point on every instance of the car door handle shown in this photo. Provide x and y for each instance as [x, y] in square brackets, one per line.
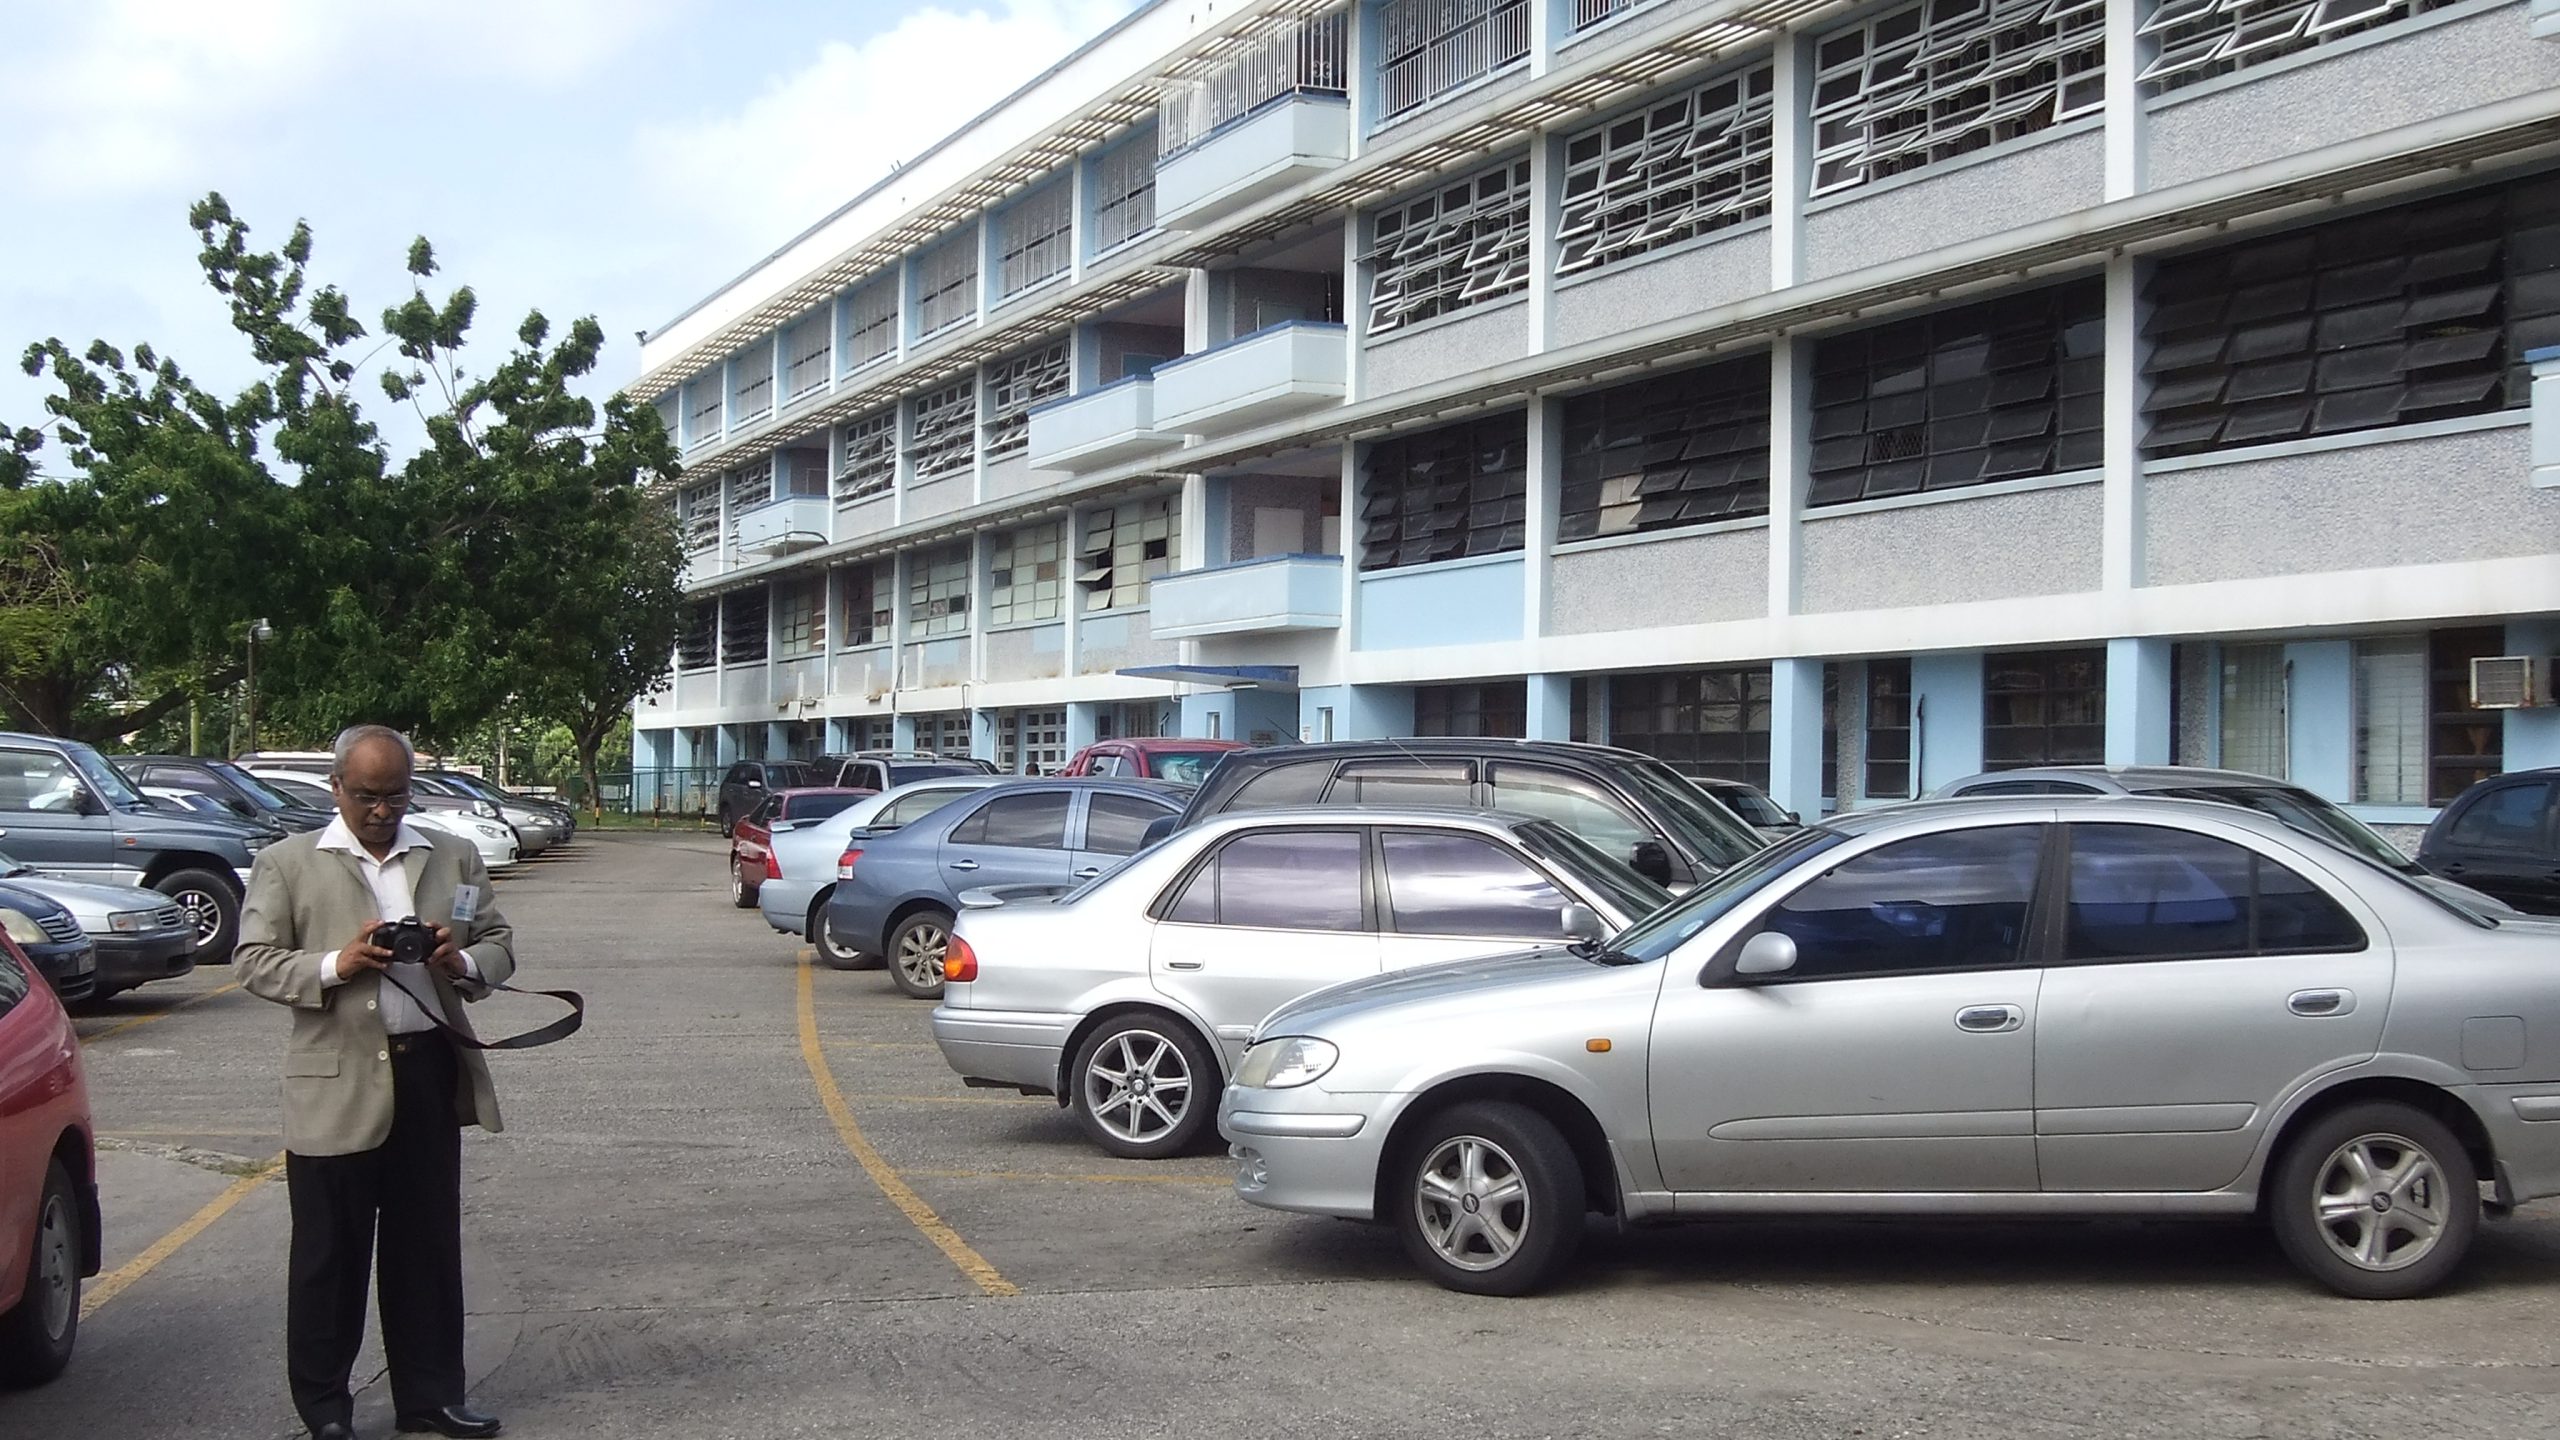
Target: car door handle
[1990, 1019]
[1184, 964]
[964, 864]
[1088, 872]
[2321, 1003]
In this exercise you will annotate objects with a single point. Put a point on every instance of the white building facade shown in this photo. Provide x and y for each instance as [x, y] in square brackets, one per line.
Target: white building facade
[1841, 397]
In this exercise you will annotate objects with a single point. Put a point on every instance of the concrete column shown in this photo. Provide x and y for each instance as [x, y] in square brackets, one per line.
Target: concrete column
[2121, 522]
[1080, 725]
[982, 735]
[1355, 309]
[1079, 216]
[777, 740]
[2139, 715]
[2125, 125]
[1795, 734]
[903, 729]
[981, 594]
[726, 750]
[1546, 23]
[990, 254]
[1546, 199]
[1550, 707]
[1946, 717]
[897, 568]
[1071, 605]
[2533, 736]
[1360, 73]
[1546, 483]
[1791, 158]
[1790, 468]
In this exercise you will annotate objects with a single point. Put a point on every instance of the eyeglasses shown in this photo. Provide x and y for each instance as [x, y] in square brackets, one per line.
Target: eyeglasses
[394, 800]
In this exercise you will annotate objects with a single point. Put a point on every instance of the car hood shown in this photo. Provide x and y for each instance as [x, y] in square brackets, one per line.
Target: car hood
[1498, 981]
[85, 901]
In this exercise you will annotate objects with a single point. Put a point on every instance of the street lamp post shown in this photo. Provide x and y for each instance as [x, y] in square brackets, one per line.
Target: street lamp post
[259, 630]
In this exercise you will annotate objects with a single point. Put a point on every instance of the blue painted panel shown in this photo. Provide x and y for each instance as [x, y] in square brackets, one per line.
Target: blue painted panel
[1795, 735]
[1467, 605]
[1947, 691]
[1550, 707]
[2321, 721]
[2138, 716]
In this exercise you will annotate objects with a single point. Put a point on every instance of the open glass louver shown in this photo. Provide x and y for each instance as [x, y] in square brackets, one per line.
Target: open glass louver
[698, 515]
[2193, 40]
[1126, 546]
[946, 430]
[1017, 385]
[698, 636]
[1455, 491]
[1683, 167]
[1933, 81]
[870, 457]
[1682, 449]
[744, 637]
[1462, 244]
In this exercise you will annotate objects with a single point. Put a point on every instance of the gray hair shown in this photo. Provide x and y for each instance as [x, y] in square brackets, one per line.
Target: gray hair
[356, 735]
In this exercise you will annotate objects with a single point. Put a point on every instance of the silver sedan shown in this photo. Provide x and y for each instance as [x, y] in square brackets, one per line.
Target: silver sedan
[1130, 999]
[1971, 1007]
[795, 901]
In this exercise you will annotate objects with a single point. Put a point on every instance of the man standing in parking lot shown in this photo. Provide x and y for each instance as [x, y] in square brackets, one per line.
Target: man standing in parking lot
[376, 1089]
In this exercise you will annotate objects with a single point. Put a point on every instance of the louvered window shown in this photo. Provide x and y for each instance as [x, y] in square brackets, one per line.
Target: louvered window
[698, 512]
[1495, 708]
[2252, 710]
[1888, 729]
[1124, 193]
[871, 323]
[1038, 236]
[1699, 722]
[752, 369]
[947, 284]
[870, 457]
[2418, 312]
[1026, 574]
[938, 592]
[749, 487]
[1997, 391]
[2044, 707]
[743, 635]
[1446, 493]
[868, 592]
[946, 430]
[801, 620]
[1930, 82]
[1682, 168]
[2192, 40]
[810, 348]
[1014, 388]
[2391, 720]
[1460, 245]
[1431, 47]
[1126, 546]
[1683, 449]
[698, 636]
[702, 401]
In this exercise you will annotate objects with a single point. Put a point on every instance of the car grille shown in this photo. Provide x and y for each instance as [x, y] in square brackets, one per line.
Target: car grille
[169, 917]
[60, 925]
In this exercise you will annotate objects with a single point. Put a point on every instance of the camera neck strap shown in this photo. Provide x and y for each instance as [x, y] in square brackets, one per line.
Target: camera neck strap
[560, 1029]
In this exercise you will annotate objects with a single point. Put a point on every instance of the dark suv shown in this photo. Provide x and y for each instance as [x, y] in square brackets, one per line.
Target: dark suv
[744, 785]
[889, 769]
[235, 789]
[2502, 836]
[1629, 805]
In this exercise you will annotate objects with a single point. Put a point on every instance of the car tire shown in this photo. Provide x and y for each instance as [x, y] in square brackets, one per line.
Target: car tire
[741, 893]
[728, 827]
[1124, 1073]
[831, 947]
[36, 1338]
[1480, 1159]
[2377, 1201]
[211, 906]
[915, 954]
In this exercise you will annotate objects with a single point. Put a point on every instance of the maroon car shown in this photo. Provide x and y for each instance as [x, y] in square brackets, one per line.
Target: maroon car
[48, 1177]
[1185, 762]
[751, 857]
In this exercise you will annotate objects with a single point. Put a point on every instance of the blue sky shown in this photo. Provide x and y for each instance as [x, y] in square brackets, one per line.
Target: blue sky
[619, 158]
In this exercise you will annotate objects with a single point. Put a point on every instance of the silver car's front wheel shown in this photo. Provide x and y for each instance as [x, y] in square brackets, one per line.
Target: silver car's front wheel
[1145, 1087]
[1471, 1202]
[1492, 1197]
[2377, 1200]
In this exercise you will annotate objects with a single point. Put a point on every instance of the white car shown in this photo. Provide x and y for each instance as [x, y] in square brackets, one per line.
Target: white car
[793, 894]
[1132, 999]
[495, 841]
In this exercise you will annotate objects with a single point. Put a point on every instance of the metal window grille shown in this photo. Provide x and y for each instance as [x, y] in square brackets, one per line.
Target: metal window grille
[1014, 387]
[1685, 167]
[750, 485]
[753, 398]
[1994, 391]
[702, 402]
[2391, 720]
[1888, 729]
[947, 284]
[1026, 574]
[2044, 707]
[2192, 40]
[744, 638]
[1495, 707]
[1125, 547]
[938, 593]
[1124, 194]
[1459, 490]
[698, 636]
[1699, 722]
[800, 618]
[1301, 57]
[810, 348]
[871, 323]
[698, 514]
[867, 600]
[1038, 236]
[1933, 81]
[870, 457]
[1431, 47]
[1587, 13]
[1682, 449]
[671, 416]
[946, 430]
[1460, 245]
[2418, 312]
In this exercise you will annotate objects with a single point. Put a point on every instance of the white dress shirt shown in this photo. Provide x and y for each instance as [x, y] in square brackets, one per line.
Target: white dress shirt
[394, 888]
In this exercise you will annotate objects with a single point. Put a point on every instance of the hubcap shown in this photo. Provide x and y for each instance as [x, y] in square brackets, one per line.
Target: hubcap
[203, 912]
[57, 1281]
[1138, 1086]
[2381, 1202]
[920, 954]
[1473, 1205]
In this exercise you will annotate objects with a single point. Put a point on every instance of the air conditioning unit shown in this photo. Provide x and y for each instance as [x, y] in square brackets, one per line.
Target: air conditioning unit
[2510, 682]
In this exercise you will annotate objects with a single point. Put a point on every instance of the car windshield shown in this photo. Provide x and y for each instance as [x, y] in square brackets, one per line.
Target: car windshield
[1714, 831]
[1185, 767]
[1750, 804]
[262, 794]
[472, 785]
[109, 780]
[815, 807]
[1669, 928]
[2308, 813]
[1632, 894]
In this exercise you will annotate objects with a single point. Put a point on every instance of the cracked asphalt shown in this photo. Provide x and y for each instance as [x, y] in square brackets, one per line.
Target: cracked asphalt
[673, 1238]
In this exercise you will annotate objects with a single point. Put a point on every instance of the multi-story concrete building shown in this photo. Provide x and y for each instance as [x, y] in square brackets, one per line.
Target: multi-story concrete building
[1845, 397]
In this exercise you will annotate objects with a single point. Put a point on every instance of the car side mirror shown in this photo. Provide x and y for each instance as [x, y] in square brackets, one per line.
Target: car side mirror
[86, 802]
[1581, 922]
[1651, 861]
[754, 784]
[241, 808]
[1767, 953]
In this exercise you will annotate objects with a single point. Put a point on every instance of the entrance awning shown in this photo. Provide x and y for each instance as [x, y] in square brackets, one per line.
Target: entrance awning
[1230, 677]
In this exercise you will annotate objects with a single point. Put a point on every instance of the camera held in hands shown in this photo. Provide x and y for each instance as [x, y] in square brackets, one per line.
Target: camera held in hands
[410, 941]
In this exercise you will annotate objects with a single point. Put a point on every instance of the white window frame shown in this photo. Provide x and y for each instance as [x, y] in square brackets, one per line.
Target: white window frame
[938, 593]
[1920, 84]
[1026, 574]
[1462, 243]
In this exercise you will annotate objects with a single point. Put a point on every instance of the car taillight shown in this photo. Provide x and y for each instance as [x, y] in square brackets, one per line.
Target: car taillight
[844, 864]
[772, 864]
[959, 962]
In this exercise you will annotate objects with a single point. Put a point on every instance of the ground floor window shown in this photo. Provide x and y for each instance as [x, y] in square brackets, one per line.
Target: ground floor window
[2418, 741]
[1888, 764]
[1032, 741]
[1701, 722]
[946, 734]
[2044, 707]
[1494, 707]
[2253, 733]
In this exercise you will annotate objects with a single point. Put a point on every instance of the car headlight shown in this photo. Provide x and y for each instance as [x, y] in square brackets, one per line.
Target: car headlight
[495, 832]
[1285, 1063]
[23, 928]
[132, 922]
[256, 843]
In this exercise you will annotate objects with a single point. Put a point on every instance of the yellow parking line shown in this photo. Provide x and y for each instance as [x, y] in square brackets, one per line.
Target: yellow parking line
[115, 1282]
[115, 1030]
[884, 1175]
[971, 1099]
[1078, 1179]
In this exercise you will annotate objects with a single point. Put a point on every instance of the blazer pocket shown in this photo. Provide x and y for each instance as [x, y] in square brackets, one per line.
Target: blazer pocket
[310, 1063]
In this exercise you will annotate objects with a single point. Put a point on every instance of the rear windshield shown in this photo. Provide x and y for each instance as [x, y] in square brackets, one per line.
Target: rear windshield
[2308, 813]
[901, 774]
[1184, 767]
[1754, 807]
[815, 807]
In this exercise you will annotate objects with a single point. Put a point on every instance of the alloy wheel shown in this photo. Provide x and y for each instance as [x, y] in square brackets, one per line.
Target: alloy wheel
[56, 1282]
[920, 954]
[1138, 1087]
[2381, 1202]
[204, 914]
[1472, 1202]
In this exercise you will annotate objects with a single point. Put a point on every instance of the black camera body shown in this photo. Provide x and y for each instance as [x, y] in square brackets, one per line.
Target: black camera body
[410, 941]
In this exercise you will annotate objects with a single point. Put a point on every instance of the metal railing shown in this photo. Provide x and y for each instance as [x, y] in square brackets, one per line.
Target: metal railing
[1303, 57]
[1434, 46]
[1587, 13]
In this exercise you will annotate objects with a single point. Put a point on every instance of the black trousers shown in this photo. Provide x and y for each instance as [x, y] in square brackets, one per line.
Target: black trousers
[412, 1185]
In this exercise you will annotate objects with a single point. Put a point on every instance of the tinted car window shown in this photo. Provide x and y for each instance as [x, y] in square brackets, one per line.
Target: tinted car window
[1299, 880]
[1956, 900]
[907, 809]
[1404, 782]
[787, 777]
[929, 770]
[306, 792]
[1572, 802]
[1751, 805]
[2507, 818]
[2152, 893]
[33, 780]
[1117, 824]
[1301, 783]
[738, 774]
[13, 983]
[2027, 787]
[1184, 767]
[816, 807]
[762, 812]
[1442, 884]
[1020, 822]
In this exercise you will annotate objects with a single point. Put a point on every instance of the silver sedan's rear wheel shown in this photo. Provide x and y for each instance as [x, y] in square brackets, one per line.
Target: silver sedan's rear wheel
[2379, 1201]
[1146, 1087]
[915, 954]
[1492, 1199]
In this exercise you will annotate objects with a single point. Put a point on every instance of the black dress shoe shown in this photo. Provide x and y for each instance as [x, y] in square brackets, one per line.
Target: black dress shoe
[460, 1421]
[334, 1430]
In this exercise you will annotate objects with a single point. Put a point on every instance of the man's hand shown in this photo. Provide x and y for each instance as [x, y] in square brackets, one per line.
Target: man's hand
[448, 956]
[361, 954]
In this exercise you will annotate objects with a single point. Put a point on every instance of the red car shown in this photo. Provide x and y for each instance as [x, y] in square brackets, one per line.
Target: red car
[751, 858]
[1185, 762]
[48, 1176]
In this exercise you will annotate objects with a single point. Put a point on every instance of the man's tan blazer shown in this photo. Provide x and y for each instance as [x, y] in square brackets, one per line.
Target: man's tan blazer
[305, 902]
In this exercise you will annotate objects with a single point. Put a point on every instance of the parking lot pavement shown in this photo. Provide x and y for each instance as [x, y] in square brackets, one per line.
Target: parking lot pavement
[680, 1234]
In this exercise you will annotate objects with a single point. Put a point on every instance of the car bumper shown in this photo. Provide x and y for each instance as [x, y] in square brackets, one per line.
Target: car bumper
[1305, 1150]
[785, 904]
[1021, 1048]
[2523, 1122]
[127, 961]
[71, 969]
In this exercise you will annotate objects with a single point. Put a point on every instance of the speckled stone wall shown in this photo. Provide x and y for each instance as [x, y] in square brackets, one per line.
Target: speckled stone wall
[1684, 581]
[1640, 292]
[2042, 542]
[2054, 177]
[1105, 643]
[938, 497]
[1032, 652]
[1472, 340]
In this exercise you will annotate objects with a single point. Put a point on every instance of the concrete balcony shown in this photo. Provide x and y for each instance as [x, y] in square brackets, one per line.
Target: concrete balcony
[2546, 415]
[778, 527]
[1292, 138]
[1268, 375]
[1098, 428]
[1251, 597]
[699, 565]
